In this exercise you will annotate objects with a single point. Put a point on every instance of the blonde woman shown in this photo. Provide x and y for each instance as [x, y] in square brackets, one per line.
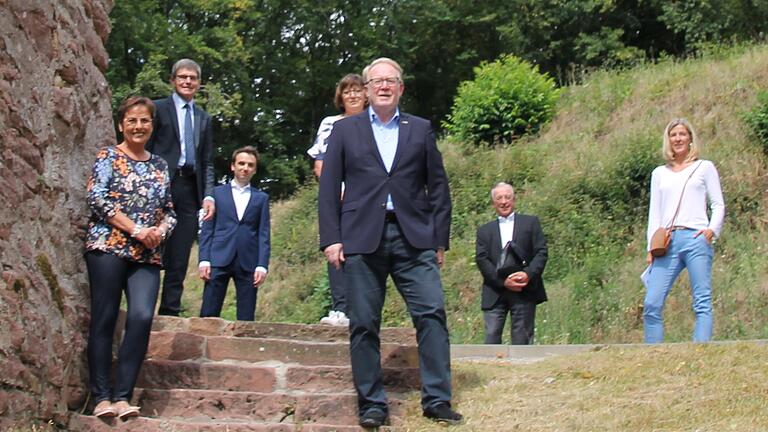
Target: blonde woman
[680, 192]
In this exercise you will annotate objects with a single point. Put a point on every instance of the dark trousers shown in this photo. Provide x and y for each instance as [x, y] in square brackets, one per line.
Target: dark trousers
[109, 276]
[216, 289]
[179, 244]
[522, 314]
[338, 289]
[417, 278]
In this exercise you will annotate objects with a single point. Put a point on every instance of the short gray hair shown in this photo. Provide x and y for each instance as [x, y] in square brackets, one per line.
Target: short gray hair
[502, 184]
[386, 60]
[186, 64]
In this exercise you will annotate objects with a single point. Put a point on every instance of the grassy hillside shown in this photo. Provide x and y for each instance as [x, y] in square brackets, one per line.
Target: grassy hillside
[586, 176]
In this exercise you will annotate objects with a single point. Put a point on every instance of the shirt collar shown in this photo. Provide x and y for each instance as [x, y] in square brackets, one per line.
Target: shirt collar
[375, 118]
[510, 218]
[180, 102]
[239, 188]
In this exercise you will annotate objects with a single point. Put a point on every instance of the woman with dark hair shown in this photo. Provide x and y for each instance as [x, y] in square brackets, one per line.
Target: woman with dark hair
[131, 215]
[350, 99]
[680, 190]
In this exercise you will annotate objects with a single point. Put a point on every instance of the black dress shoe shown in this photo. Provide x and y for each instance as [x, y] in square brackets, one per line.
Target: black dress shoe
[443, 413]
[373, 418]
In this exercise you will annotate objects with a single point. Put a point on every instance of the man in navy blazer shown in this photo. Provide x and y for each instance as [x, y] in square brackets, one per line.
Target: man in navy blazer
[394, 221]
[183, 135]
[235, 242]
[518, 292]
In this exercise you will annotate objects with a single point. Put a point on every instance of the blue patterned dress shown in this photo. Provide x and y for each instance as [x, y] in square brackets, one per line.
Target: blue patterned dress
[141, 190]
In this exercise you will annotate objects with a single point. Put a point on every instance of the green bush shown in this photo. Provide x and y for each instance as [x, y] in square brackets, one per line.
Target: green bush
[757, 119]
[507, 99]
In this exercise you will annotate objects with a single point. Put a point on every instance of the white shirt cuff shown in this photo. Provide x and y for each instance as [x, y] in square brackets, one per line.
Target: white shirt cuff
[204, 264]
[261, 269]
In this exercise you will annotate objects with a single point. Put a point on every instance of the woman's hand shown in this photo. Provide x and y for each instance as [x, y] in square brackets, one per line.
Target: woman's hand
[150, 237]
[708, 234]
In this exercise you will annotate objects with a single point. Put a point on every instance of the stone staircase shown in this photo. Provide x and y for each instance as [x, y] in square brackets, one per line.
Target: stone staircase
[207, 374]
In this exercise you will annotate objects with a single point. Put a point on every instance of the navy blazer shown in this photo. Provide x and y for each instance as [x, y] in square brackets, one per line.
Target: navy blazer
[417, 182]
[165, 142]
[528, 236]
[224, 237]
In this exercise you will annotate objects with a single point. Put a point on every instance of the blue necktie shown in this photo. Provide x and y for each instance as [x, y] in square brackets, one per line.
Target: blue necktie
[189, 137]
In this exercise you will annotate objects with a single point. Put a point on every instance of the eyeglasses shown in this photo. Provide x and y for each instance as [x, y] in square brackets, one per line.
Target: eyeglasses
[379, 82]
[350, 92]
[192, 78]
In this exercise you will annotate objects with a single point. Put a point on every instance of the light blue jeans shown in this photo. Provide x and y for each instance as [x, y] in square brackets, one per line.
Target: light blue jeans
[695, 254]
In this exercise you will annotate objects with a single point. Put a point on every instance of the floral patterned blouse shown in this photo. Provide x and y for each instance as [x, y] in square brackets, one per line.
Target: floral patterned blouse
[141, 190]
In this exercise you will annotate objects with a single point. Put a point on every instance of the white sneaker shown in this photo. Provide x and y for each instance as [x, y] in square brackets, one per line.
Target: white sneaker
[331, 319]
[342, 319]
[335, 318]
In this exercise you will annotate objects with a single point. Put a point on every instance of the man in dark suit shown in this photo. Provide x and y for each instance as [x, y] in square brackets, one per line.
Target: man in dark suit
[183, 136]
[514, 292]
[235, 243]
[394, 221]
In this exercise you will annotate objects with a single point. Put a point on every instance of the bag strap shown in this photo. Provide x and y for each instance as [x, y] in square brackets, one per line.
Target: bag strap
[672, 223]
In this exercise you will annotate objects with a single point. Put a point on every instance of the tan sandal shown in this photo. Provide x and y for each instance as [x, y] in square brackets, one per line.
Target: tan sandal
[126, 410]
[104, 409]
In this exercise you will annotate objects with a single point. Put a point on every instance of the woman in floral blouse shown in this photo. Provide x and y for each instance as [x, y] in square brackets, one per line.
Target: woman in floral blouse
[131, 215]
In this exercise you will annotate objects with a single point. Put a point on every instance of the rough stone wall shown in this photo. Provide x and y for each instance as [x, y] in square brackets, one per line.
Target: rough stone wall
[54, 114]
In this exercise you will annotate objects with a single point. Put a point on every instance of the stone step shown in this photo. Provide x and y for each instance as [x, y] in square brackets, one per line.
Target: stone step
[83, 423]
[189, 346]
[308, 332]
[266, 377]
[330, 409]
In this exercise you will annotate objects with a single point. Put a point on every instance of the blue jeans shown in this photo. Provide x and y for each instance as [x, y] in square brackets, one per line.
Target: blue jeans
[695, 254]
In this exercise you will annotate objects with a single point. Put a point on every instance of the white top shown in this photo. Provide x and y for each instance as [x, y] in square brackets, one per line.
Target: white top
[506, 228]
[317, 151]
[703, 187]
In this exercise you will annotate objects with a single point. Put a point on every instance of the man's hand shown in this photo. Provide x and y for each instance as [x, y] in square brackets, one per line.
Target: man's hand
[204, 272]
[258, 278]
[516, 281]
[335, 254]
[210, 208]
[440, 257]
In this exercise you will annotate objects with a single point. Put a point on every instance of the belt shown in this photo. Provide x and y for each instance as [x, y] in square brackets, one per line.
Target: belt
[679, 227]
[390, 217]
[185, 171]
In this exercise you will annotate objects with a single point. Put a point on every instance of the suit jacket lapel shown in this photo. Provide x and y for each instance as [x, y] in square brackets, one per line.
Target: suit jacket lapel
[366, 131]
[496, 242]
[171, 108]
[403, 133]
[198, 122]
[229, 202]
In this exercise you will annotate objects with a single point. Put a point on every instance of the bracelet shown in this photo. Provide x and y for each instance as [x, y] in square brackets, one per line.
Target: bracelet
[136, 230]
[163, 232]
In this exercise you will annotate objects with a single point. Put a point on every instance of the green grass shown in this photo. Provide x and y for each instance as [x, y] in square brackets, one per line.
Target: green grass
[586, 176]
[685, 387]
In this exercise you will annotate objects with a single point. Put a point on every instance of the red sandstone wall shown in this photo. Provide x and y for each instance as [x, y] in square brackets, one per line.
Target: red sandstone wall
[54, 114]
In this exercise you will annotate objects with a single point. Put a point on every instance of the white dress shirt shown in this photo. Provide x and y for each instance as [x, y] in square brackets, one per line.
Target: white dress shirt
[506, 228]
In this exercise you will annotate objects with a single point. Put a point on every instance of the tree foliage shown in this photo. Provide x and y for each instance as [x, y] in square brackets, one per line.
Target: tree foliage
[270, 66]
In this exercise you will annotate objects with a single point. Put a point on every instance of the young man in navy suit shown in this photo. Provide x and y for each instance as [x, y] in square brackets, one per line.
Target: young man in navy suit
[234, 244]
[394, 221]
[506, 291]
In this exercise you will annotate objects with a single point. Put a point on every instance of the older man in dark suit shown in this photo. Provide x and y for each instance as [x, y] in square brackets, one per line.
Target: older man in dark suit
[512, 287]
[394, 221]
[183, 136]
